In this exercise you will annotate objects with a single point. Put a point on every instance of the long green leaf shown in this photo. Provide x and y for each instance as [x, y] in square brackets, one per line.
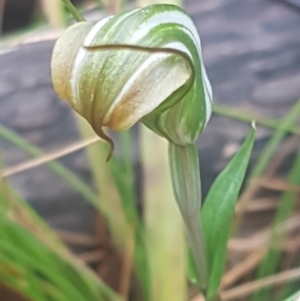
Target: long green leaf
[217, 212]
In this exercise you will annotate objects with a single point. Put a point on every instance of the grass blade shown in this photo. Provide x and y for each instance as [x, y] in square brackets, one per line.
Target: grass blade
[276, 139]
[41, 269]
[269, 264]
[227, 111]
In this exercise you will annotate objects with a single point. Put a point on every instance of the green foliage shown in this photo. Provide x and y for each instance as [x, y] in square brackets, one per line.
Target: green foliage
[217, 212]
[41, 270]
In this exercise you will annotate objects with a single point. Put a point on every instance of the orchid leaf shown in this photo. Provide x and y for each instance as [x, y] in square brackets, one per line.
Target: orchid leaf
[218, 209]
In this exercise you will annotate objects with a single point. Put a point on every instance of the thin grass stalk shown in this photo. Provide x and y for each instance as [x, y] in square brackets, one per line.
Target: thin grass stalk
[286, 206]
[276, 139]
[265, 158]
[55, 166]
[128, 260]
[238, 292]
[73, 11]
[264, 121]
[55, 155]
[164, 232]
[18, 211]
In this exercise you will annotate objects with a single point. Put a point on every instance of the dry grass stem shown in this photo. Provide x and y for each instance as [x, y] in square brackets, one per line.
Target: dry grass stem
[284, 150]
[260, 204]
[127, 264]
[49, 157]
[260, 239]
[250, 287]
[92, 256]
[292, 245]
[242, 268]
[277, 185]
[288, 147]
[76, 238]
[198, 298]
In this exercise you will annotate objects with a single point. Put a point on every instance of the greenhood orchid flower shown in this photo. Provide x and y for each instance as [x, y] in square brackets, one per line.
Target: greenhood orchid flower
[144, 64]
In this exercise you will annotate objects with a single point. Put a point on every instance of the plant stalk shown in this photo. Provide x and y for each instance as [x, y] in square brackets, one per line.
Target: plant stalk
[185, 175]
[240, 115]
[164, 231]
[196, 240]
[73, 11]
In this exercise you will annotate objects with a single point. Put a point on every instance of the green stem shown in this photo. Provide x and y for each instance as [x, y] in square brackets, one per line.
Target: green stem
[246, 117]
[125, 138]
[164, 234]
[185, 175]
[197, 242]
[73, 11]
[287, 122]
[130, 207]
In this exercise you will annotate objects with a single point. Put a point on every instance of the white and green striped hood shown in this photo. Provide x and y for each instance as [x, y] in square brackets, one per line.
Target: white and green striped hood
[118, 86]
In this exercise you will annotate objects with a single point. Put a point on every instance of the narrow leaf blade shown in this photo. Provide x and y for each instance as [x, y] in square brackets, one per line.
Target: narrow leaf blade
[218, 209]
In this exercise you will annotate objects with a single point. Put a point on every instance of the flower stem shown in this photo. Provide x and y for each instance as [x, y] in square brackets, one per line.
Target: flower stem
[164, 234]
[73, 11]
[185, 175]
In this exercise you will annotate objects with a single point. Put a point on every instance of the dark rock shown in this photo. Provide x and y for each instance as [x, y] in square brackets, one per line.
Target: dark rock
[274, 91]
